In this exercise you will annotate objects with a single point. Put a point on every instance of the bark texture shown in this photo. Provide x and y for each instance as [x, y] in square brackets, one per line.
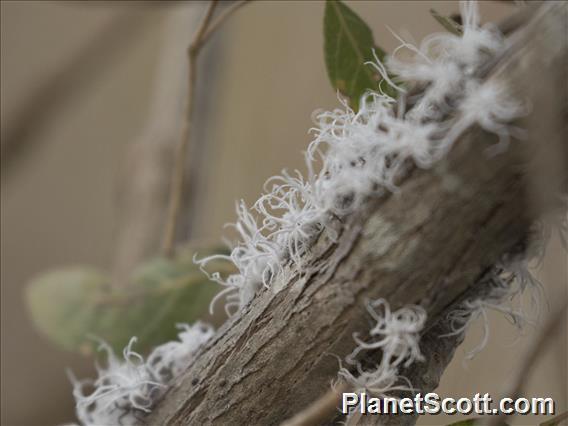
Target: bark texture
[428, 245]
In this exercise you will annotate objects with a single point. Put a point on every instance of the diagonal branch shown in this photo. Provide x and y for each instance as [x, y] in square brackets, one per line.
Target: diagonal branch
[428, 247]
[71, 80]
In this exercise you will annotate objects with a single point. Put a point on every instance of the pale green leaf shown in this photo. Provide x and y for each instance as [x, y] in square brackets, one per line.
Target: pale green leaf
[73, 304]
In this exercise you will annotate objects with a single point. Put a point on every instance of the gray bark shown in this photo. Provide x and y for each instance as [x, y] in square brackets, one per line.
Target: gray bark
[438, 344]
[428, 245]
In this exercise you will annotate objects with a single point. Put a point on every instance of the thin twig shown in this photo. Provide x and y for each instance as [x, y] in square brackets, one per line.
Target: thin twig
[196, 43]
[206, 29]
[537, 347]
[146, 168]
[321, 410]
[178, 172]
[221, 19]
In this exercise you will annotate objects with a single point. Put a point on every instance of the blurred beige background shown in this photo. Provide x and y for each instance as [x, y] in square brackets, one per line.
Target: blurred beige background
[58, 199]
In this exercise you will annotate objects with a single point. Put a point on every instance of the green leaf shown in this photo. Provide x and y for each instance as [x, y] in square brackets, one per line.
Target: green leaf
[60, 303]
[74, 304]
[348, 45]
[448, 23]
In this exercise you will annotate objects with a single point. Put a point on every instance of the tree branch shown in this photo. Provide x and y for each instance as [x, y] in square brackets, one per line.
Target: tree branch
[146, 169]
[204, 33]
[428, 246]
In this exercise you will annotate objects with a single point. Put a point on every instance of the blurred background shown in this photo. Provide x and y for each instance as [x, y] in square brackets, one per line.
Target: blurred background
[92, 96]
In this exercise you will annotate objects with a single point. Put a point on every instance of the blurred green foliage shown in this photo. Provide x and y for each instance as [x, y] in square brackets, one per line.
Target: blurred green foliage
[76, 305]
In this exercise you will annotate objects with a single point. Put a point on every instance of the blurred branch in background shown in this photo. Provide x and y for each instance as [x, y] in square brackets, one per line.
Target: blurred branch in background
[206, 29]
[139, 278]
[145, 180]
[73, 79]
[160, 156]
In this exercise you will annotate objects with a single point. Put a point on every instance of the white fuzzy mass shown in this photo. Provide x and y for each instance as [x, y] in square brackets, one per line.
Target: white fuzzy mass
[354, 155]
[358, 154]
[126, 388]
